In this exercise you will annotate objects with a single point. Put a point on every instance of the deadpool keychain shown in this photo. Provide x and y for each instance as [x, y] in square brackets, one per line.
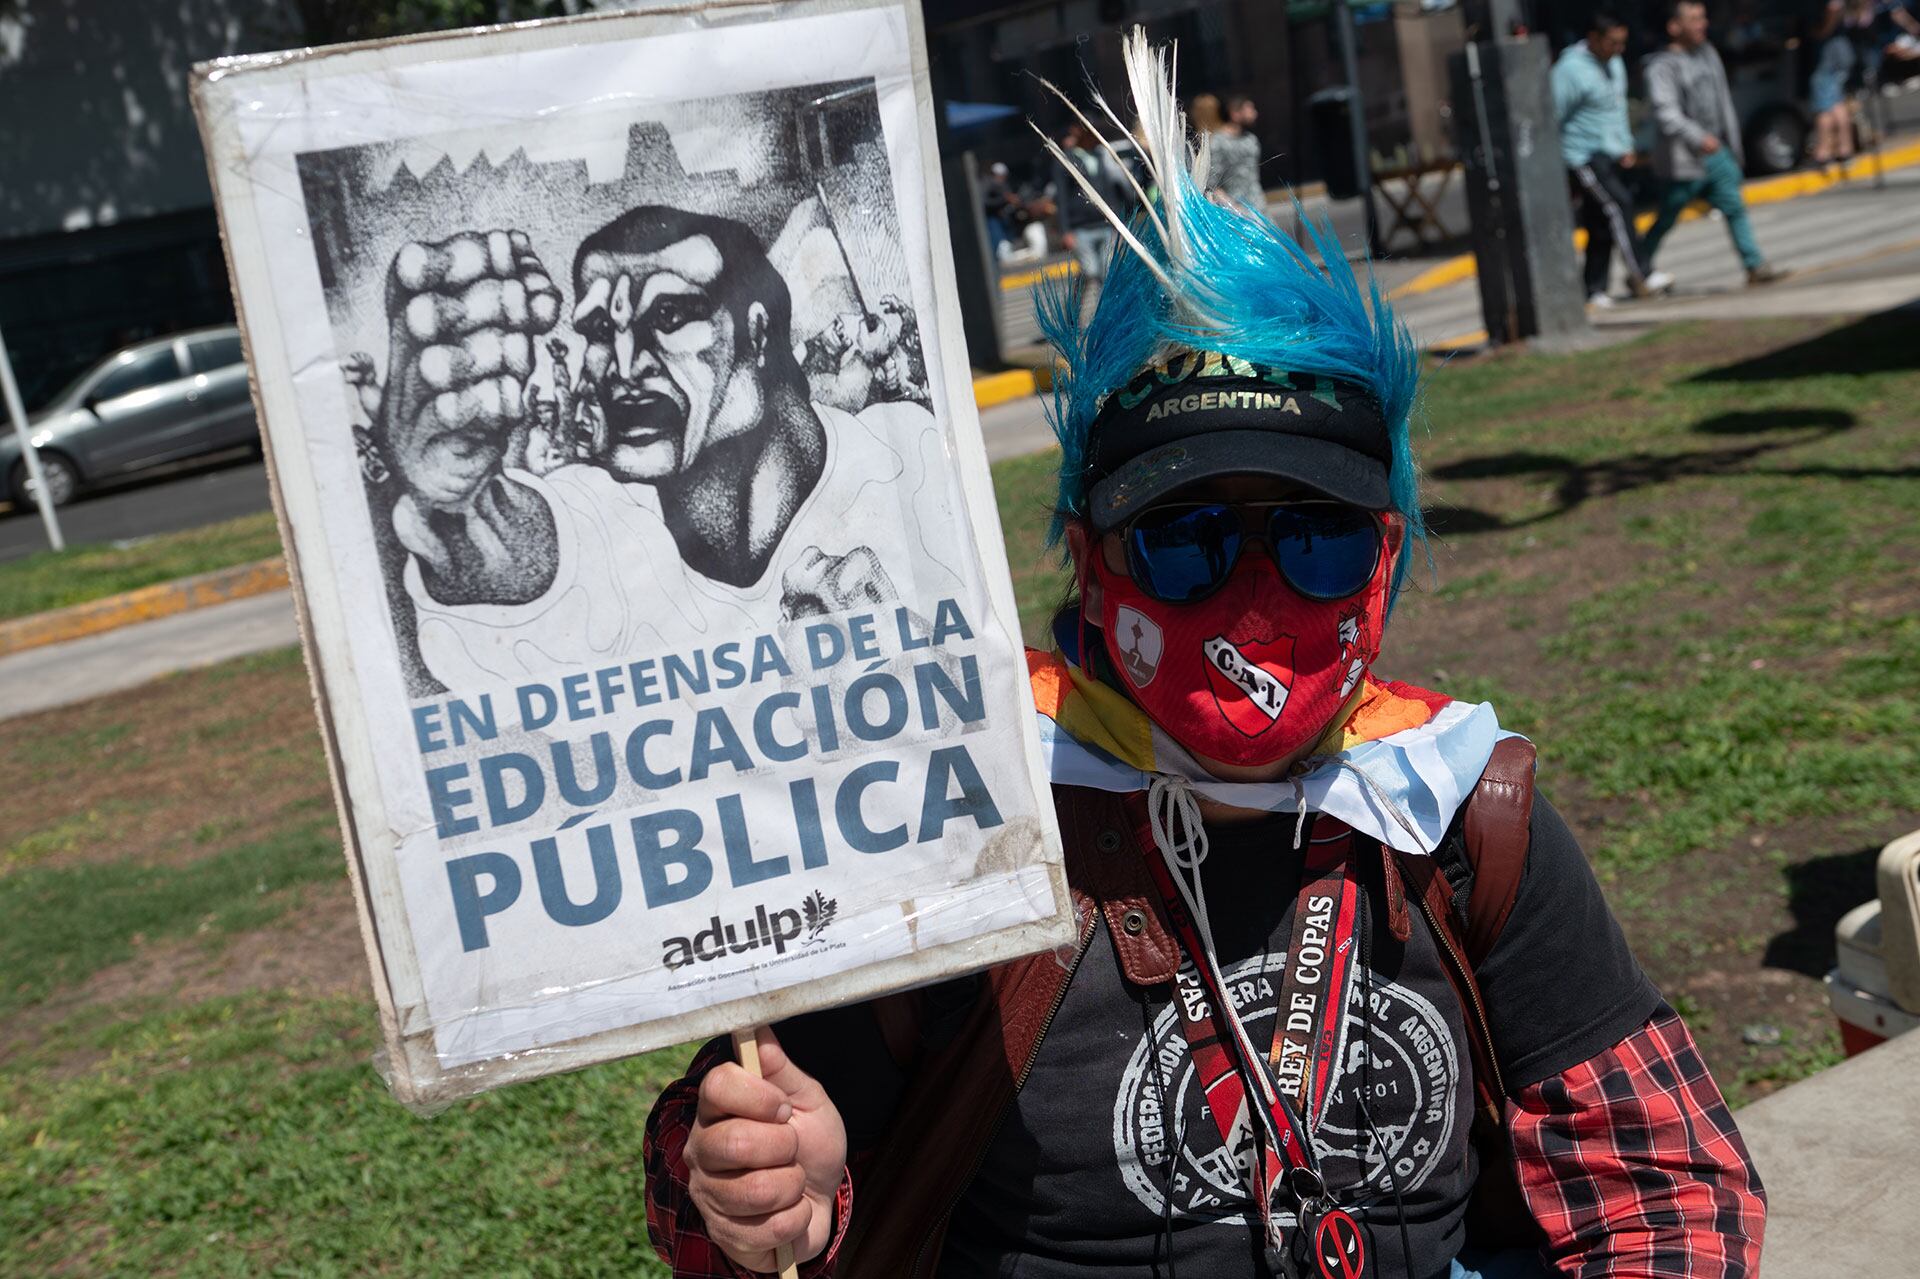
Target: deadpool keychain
[1338, 1250]
[1327, 1233]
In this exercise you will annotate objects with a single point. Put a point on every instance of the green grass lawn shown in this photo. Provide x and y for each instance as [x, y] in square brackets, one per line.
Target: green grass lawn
[246, 1136]
[55, 579]
[1683, 565]
[1745, 654]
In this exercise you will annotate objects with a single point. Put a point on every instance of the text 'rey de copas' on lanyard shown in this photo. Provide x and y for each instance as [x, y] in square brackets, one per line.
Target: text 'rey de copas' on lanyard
[1253, 1096]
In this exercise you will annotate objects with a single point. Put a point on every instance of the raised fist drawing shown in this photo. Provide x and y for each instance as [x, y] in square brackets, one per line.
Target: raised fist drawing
[462, 317]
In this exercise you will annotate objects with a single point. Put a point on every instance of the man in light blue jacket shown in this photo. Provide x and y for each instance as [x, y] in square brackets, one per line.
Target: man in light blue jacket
[1590, 98]
[1699, 150]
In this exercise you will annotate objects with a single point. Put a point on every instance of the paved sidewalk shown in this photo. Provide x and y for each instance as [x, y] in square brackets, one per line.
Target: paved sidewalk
[1017, 427]
[1836, 1155]
[1833, 230]
[1808, 235]
[60, 674]
[1874, 280]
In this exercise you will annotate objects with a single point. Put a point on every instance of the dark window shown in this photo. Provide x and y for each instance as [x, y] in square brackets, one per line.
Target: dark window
[210, 354]
[148, 368]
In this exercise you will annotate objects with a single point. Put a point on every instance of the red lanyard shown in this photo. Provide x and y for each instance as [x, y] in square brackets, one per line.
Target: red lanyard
[1263, 1112]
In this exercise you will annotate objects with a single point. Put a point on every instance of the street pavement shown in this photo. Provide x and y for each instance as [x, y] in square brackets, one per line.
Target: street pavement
[1870, 280]
[60, 674]
[1017, 427]
[1823, 240]
[205, 492]
[1836, 1154]
[1810, 236]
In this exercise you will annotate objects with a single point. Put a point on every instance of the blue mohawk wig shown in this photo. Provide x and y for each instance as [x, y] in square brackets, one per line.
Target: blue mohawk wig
[1192, 273]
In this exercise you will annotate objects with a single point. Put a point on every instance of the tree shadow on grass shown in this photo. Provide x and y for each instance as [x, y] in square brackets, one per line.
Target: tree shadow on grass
[1577, 482]
[1763, 421]
[1888, 342]
[1819, 892]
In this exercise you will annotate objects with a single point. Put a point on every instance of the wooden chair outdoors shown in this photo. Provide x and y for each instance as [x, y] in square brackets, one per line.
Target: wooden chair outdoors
[1413, 191]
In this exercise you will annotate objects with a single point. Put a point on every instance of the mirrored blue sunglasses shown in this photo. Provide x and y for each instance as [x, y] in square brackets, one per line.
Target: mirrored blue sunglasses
[1181, 553]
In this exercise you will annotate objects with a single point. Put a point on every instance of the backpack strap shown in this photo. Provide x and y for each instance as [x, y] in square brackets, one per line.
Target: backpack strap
[1498, 832]
[1469, 886]
[1467, 890]
[1471, 881]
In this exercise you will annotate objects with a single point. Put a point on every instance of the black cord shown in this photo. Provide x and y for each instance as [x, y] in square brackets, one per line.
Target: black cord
[1366, 1081]
[1179, 1132]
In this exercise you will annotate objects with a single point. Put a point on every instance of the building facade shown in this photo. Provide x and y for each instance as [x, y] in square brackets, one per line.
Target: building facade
[1278, 54]
[107, 230]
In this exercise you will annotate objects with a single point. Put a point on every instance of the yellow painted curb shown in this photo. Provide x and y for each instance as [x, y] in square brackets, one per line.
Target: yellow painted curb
[1459, 342]
[990, 389]
[1452, 271]
[1026, 279]
[162, 599]
[1788, 186]
[1808, 182]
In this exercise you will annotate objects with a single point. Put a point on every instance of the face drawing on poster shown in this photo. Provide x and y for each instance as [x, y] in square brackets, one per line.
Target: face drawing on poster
[654, 431]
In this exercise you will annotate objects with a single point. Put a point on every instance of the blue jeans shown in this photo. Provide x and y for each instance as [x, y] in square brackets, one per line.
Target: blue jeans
[1092, 245]
[1721, 187]
[997, 236]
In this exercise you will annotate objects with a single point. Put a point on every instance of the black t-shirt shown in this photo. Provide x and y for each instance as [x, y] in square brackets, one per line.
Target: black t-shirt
[1094, 1172]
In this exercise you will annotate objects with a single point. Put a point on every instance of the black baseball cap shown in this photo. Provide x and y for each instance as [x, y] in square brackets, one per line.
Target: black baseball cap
[1201, 414]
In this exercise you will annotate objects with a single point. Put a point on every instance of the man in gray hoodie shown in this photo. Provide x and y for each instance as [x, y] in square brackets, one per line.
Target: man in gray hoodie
[1698, 153]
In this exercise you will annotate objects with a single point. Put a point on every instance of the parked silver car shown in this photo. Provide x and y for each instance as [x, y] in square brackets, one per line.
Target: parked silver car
[156, 402]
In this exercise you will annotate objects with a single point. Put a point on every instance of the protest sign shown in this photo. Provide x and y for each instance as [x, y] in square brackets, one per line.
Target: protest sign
[648, 568]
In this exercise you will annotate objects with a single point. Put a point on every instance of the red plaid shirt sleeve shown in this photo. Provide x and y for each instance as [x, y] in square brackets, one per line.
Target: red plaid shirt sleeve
[679, 1234]
[1633, 1167]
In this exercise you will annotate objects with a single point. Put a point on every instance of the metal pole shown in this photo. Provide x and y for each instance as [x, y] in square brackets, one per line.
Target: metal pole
[1497, 203]
[18, 412]
[1481, 124]
[1357, 118]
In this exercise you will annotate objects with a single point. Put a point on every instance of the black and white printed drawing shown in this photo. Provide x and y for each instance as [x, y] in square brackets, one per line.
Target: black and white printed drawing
[648, 561]
[608, 412]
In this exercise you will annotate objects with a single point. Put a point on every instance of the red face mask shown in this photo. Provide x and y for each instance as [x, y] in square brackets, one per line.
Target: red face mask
[1249, 674]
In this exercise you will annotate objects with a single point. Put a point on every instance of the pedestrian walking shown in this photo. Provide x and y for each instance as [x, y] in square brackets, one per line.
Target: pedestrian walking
[1083, 229]
[1596, 143]
[1002, 208]
[1841, 34]
[1235, 169]
[1699, 152]
[1895, 36]
[1206, 114]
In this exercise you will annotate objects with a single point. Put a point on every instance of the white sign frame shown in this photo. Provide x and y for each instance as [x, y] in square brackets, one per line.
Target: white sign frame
[331, 599]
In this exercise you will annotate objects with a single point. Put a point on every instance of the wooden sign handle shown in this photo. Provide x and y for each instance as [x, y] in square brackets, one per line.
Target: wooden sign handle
[747, 1048]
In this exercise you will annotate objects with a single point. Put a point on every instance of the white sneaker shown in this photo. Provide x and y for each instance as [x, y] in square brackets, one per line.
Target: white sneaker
[1600, 301]
[1659, 282]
